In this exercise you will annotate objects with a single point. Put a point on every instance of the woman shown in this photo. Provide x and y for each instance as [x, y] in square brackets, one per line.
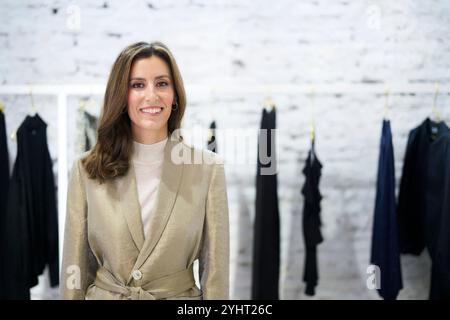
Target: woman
[139, 212]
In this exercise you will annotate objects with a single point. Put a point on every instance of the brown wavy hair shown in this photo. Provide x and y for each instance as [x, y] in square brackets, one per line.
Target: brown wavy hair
[109, 158]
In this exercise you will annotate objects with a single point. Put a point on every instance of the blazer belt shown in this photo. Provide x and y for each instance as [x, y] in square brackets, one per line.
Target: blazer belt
[161, 288]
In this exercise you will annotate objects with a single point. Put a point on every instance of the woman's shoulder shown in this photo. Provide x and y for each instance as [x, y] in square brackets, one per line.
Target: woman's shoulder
[77, 164]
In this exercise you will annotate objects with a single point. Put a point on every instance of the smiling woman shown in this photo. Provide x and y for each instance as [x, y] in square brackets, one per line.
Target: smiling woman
[144, 78]
[137, 219]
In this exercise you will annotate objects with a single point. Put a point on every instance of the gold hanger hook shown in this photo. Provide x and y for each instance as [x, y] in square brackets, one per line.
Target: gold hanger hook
[386, 105]
[435, 109]
[269, 104]
[312, 125]
[82, 102]
[33, 106]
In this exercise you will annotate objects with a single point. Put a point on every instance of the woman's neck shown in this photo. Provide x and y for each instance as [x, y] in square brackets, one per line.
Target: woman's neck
[150, 138]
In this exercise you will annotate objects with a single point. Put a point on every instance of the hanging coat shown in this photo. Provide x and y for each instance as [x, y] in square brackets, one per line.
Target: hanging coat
[266, 240]
[385, 247]
[31, 216]
[422, 206]
[312, 235]
[4, 187]
[437, 219]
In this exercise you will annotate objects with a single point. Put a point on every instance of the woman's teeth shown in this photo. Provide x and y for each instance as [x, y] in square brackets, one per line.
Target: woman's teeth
[151, 110]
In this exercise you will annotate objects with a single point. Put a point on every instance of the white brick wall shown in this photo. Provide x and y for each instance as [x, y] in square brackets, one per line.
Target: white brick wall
[245, 43]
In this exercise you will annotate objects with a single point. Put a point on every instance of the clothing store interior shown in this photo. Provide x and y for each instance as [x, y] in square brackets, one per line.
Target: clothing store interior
[355, 95]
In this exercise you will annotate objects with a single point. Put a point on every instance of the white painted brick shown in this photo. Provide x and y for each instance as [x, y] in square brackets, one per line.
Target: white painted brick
[243, 43]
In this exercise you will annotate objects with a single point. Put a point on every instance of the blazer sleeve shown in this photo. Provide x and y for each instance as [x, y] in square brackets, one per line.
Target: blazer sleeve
[215, 251]
[79, 265]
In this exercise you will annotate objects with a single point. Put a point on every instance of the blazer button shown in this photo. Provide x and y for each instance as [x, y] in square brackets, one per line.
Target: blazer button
[137, 275]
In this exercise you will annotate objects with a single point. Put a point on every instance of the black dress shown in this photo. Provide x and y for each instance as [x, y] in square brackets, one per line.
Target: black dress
[31, 236]
[266, 240]
[4, 186]
[311, 220]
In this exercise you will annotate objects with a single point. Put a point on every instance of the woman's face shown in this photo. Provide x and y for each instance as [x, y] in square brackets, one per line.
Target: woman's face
[150, 98]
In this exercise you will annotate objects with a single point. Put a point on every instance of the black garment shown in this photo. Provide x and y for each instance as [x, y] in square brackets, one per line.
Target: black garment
[31, 216]
[437, 219]
[423, 201]
[311, 219]
[266, 240]
[4, 186]
[212, 144]
[385, 247]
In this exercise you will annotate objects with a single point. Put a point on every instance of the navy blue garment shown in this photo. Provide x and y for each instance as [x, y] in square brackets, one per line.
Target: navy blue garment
[413, 198]
[424, 197]
[437, 219]
[385, 244]
[312, 235]
[266, 240]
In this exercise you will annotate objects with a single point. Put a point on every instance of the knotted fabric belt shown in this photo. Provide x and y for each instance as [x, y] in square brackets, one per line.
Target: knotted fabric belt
[161, 288]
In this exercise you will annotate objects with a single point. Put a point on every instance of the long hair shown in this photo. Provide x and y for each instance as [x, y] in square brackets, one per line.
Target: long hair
[109, 158]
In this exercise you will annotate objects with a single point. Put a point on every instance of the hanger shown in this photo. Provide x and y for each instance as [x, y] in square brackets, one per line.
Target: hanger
[87, 102]
[33, 106]
[213, 111]
[435, 110]
[269, 104]
[312, 128]
[312, 124]
[386, 105]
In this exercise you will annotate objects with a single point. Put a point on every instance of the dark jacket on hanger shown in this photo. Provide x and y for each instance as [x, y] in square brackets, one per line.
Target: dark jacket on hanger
[438, 216]
[423, 199]
[4, 186]
[385, 247]
[311, 220]
[31, 237]
[212, 144]
[266, 240]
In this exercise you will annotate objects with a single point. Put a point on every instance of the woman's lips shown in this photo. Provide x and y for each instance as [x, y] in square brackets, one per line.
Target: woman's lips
[151, 111]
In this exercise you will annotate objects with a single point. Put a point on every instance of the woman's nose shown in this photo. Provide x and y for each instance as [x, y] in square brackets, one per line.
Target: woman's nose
[150, 94]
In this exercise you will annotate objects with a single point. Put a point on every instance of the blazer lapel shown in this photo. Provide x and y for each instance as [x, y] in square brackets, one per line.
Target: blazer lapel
[171, 176]
[130, 207]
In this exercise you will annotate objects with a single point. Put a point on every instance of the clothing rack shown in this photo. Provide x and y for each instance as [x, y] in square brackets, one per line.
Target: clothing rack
[62, 92]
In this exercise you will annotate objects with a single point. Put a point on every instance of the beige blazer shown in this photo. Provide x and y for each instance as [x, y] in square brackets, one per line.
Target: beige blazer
[105, 254]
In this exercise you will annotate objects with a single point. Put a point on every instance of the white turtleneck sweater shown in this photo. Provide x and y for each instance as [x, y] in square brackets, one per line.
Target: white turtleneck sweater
[147, 161]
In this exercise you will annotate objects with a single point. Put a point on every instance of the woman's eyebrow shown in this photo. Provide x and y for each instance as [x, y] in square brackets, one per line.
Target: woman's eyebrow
[162, 76]
[158, 77]
[136, 78]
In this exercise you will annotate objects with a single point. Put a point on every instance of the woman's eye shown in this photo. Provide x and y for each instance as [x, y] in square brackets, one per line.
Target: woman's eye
[163, 83]
[137, 85]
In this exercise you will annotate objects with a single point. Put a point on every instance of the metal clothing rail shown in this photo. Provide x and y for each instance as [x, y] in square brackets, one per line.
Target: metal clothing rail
[62, 92]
